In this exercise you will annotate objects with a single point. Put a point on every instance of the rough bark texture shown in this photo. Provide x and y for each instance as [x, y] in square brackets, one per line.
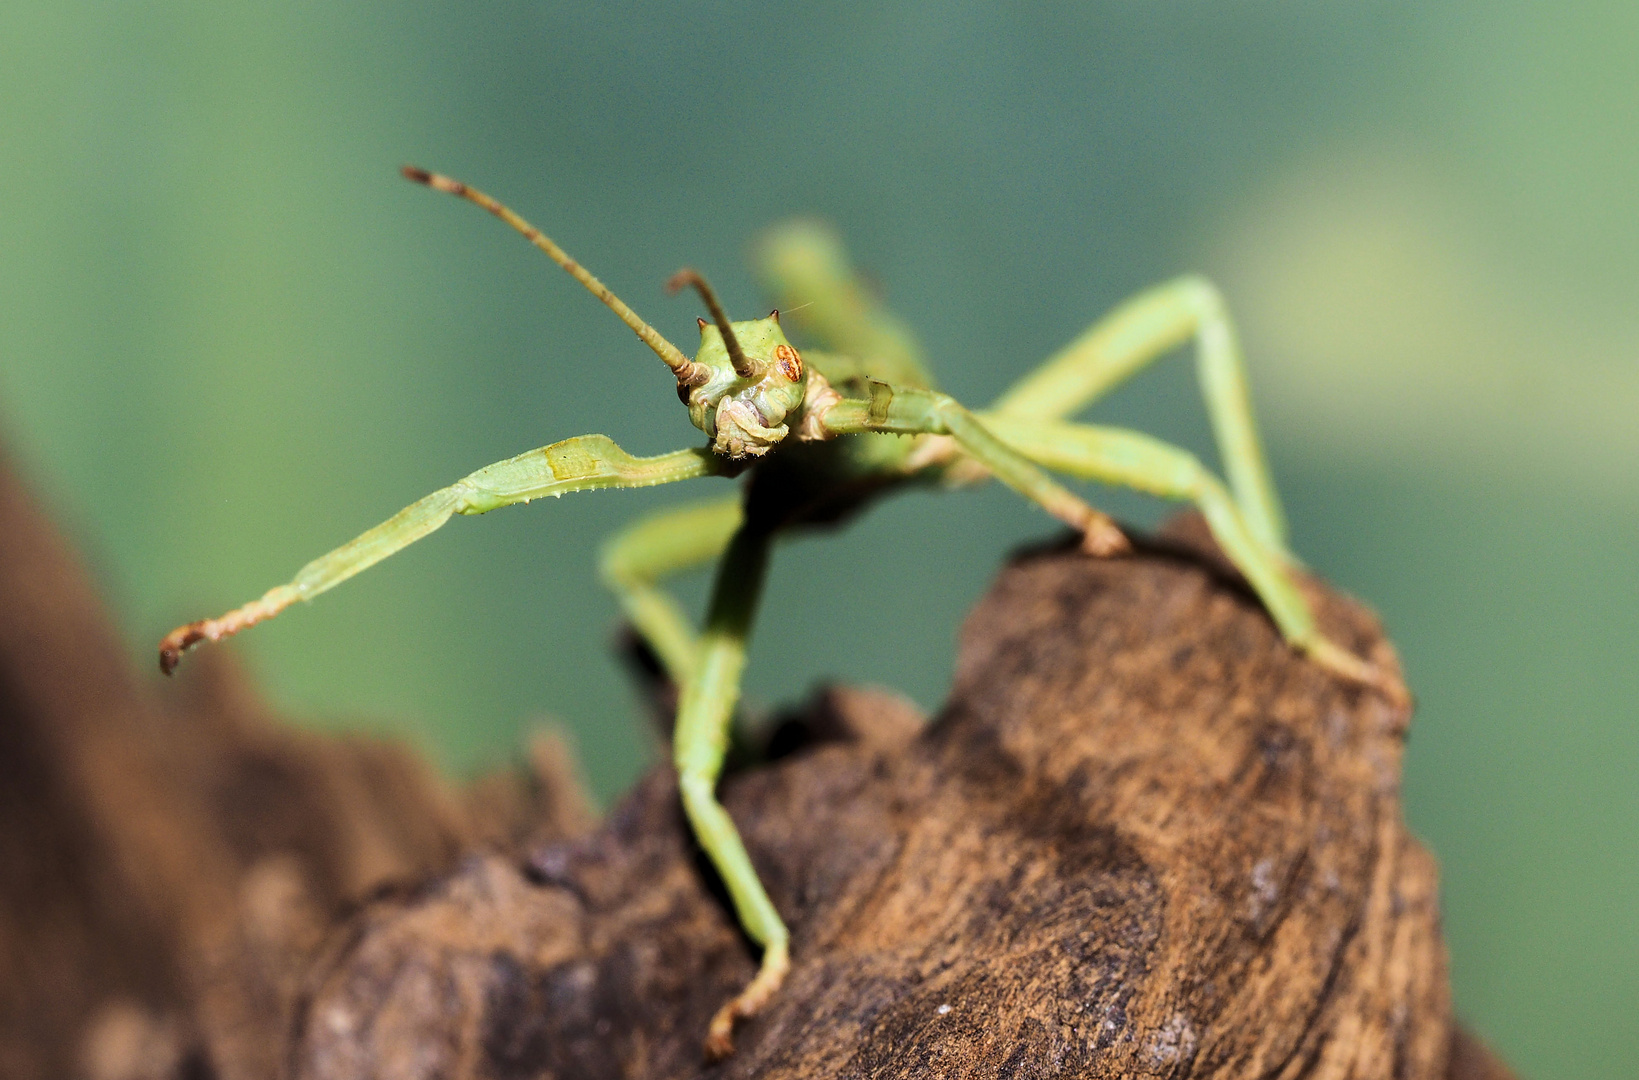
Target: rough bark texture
[1141, 839]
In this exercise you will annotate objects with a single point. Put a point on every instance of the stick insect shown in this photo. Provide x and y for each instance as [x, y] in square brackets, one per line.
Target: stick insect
[817, 436]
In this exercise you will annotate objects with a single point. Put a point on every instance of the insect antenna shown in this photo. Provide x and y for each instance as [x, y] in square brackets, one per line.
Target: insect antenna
[743, 367]
[673, 358]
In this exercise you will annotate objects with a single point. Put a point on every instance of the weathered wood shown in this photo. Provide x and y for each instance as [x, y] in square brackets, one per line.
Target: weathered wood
[1141, 839]
[168, 861]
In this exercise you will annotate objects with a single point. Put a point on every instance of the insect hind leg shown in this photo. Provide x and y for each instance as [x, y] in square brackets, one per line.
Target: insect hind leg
[1132, 459]
[1134, 335]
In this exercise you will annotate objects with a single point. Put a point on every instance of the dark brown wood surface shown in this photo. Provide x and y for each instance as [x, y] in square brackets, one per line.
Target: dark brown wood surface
[1141, 839]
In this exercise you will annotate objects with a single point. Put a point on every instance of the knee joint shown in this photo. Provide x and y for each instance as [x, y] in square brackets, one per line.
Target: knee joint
[699, 793]
[614, 569]
[1203, 297]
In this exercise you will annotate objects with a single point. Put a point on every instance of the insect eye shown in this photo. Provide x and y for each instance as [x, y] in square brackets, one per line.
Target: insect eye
[789, 362]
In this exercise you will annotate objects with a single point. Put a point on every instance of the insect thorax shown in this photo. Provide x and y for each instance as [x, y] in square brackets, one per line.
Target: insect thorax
[745, 416]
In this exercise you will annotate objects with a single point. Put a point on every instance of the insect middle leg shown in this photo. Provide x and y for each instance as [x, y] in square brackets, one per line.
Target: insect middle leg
[1135, 334]
[635, 560]
[699, 744]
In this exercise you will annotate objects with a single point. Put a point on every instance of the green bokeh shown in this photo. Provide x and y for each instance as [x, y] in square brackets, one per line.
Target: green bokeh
[230, 338]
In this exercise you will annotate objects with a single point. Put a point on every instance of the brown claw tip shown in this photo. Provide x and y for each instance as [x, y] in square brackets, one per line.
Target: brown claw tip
[719, 1045]
[176, 643]
[1399, 695]
[1394, 691]
[720, 1034]
[1105, 540]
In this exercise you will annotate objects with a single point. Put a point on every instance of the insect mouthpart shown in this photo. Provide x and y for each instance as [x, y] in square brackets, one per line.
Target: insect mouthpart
[743, 430]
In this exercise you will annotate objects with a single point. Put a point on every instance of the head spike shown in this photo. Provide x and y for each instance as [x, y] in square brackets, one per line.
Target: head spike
[775, 315]
[669, 354]
[743, 367]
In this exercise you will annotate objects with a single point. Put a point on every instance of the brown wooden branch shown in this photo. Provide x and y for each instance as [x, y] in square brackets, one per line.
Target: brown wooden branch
[1141, 839]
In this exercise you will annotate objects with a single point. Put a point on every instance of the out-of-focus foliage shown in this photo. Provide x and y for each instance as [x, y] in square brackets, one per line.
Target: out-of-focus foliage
[230, 337]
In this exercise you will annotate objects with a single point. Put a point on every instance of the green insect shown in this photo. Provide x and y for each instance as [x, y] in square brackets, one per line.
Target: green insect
[817, 436]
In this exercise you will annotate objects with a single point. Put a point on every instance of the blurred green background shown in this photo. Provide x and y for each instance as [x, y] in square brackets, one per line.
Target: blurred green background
[231, 337]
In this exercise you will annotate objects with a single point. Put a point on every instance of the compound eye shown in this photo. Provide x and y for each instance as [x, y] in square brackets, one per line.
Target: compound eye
[789, 363]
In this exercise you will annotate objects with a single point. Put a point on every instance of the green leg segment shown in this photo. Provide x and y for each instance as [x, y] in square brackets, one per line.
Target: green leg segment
[904, 410]
[1131, 459]
[640, 555]
[698, 746]
[1132, 336]
[585, 463]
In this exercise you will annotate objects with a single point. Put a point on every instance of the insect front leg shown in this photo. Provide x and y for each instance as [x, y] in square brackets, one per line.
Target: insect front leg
[584, 463]
[699, 744]
[1134, 335]
[635, 559]
[1131, 459]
